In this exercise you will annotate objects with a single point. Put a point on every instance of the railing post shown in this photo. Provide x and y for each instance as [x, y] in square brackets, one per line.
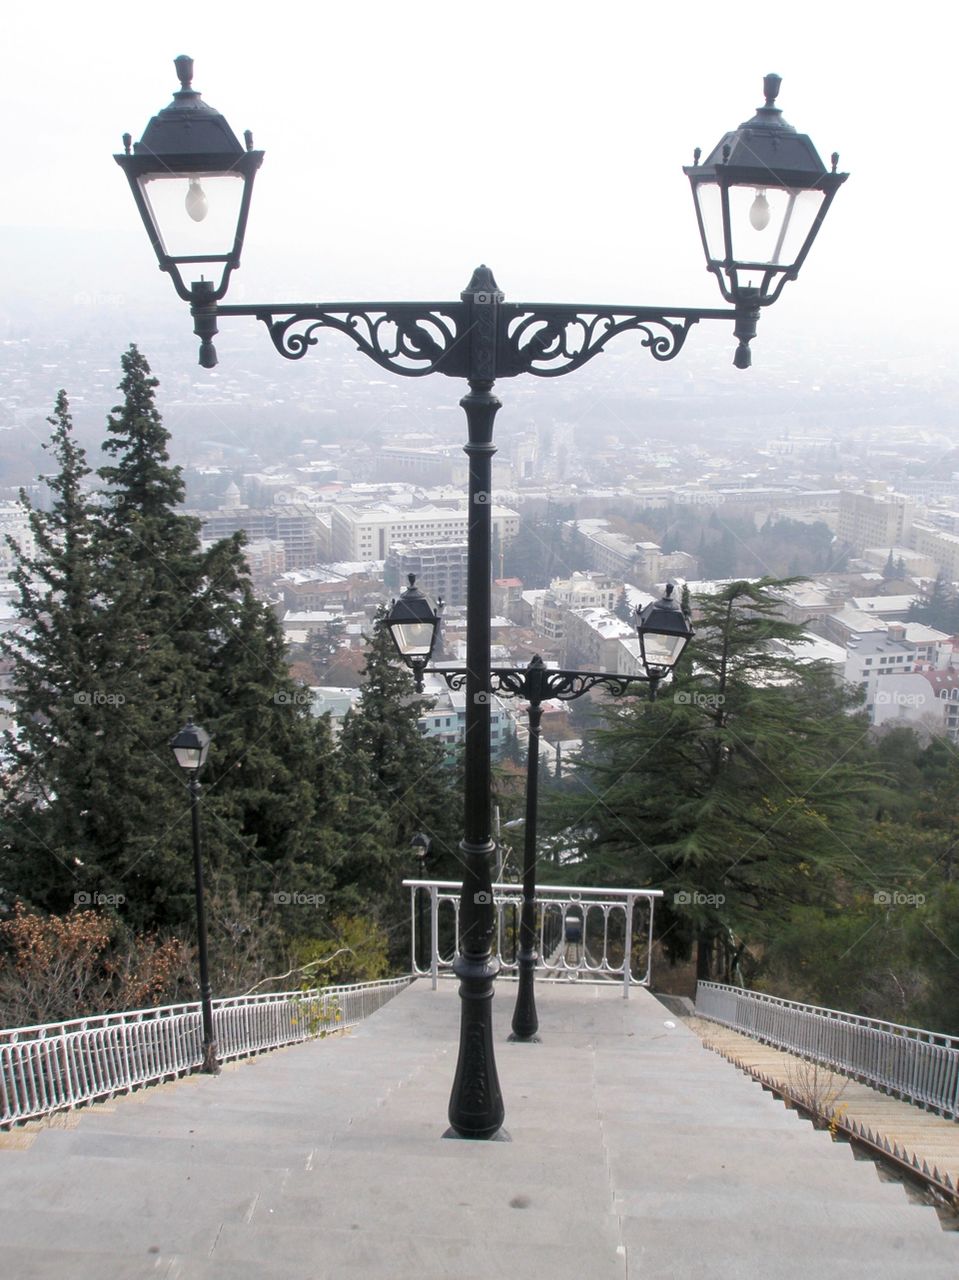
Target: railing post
[627, 945]
[434, 934]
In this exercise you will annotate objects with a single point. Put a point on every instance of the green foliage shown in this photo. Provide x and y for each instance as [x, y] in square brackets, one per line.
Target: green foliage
[402, 784]
[357, 951]
[739, 792]
[129, 627]
[939, 608]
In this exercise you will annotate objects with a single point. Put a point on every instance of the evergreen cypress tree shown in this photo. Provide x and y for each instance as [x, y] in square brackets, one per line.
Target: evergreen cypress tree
[394, 768]
[739, 791]
[55, 654]
[260, 788]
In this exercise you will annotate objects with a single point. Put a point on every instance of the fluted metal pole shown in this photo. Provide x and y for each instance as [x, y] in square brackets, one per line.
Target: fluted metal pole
[476, 1103]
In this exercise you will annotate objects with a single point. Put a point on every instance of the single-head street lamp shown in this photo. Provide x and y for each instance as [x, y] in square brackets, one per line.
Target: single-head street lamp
[414, 625]
[190, 747]
[761, 195]
[664, 632]
[192, 182]
[420, 845]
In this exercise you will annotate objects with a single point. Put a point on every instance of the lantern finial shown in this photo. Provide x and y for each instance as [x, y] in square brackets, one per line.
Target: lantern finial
[184, 71]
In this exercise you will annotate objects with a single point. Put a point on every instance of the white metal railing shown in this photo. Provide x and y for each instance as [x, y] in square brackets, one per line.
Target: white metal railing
[921, 1066]
[58, 1065]
[606, 918]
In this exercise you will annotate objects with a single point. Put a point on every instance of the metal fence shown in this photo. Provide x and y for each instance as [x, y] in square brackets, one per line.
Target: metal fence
[59, 1065]
[920, 1066]
[614, 928]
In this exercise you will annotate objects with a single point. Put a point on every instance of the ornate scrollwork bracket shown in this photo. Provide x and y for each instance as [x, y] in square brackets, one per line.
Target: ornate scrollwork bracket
[549, 341]
[475, 338]
[537, 684]
[409, 339]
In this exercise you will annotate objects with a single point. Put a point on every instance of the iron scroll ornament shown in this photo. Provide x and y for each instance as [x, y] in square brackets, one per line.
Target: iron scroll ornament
[550, 341]
[463, 339]
[514, 682]
[411, 340]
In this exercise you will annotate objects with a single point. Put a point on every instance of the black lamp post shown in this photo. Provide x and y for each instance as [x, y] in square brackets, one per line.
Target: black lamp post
[190, 747]
[421, 852]
[188, 148]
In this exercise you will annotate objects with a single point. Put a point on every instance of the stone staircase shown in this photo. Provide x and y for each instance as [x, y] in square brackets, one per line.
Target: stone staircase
[635, 1153]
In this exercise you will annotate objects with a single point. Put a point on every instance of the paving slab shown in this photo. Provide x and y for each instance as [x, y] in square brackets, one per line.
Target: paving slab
[635, 1154]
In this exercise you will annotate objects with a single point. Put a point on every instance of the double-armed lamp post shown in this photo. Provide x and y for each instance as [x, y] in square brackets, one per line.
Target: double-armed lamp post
[760, 197]
[664, 632]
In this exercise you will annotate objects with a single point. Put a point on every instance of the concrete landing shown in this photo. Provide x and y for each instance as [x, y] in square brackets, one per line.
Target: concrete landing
[635, 1153]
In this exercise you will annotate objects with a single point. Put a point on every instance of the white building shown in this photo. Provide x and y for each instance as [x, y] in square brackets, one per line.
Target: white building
[920, 700]
[367, 533]
[15, 524]
[900, 649]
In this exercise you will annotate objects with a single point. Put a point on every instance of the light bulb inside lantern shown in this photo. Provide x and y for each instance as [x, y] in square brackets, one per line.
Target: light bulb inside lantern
[196, 205]
[759, 212]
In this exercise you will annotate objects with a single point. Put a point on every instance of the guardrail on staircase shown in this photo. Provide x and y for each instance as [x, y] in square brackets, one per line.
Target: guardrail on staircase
[920, 1066]
[59, 1065]
[587, 934]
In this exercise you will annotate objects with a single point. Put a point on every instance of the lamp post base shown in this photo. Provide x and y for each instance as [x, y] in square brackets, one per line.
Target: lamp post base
[211, 1064]
[525, 1019]
[476, 1104]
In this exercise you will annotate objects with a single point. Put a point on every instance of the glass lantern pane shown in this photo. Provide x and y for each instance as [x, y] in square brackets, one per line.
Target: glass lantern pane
[188, 757]
[195, 214]
[709, 201]
[663, 651]
[413, 639]
[770, 224]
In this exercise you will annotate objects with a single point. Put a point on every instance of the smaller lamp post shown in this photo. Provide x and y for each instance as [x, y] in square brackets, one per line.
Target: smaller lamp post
[664, 632]
[414, 625]
[421, 851]
[190, 747]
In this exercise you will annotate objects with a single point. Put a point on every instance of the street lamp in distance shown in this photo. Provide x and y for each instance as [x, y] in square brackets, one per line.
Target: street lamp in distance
[190, 747]
[414, 626]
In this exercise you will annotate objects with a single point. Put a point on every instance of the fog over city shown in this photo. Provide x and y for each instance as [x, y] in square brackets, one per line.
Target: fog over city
[404, 147]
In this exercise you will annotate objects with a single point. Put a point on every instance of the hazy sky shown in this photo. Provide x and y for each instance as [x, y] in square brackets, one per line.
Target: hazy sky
[405, 144]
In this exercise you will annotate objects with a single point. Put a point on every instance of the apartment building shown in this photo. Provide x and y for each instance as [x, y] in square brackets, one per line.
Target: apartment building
[368, 533]
[940, 546]
[440, 569]
[594, 639]
[875, 516]
[304, 535]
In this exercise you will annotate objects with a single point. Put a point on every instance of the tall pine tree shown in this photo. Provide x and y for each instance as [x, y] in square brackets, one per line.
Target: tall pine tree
[740, 791]
[55, 656]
